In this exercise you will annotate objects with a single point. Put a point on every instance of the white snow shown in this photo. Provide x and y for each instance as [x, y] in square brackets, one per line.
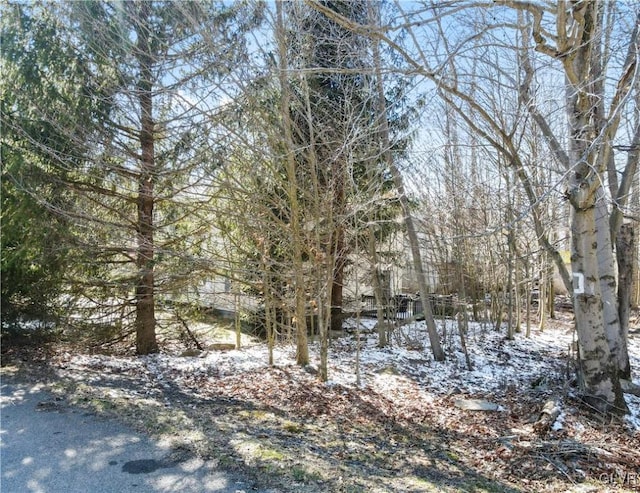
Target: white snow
[559, 422]
[539, 363]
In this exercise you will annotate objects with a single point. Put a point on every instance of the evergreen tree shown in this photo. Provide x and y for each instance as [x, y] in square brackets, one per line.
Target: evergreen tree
[42, 75]
[151, 69]
[336, 128]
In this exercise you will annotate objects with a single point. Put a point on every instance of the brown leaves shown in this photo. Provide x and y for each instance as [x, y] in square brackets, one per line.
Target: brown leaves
[294, 391]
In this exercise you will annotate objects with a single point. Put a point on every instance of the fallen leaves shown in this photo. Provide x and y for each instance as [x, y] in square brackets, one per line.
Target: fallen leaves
[401, 430]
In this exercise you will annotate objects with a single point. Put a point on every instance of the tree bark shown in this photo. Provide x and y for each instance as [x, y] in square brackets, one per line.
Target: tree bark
[542, 294]
[610, 290]
[598, 369]
[377, 290]
[302, 346]
[434, 338]
[339, 253]
[145, 304]
[625, 252]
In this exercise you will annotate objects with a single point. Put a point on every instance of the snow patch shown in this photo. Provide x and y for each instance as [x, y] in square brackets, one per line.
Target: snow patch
[538, 363]
[559, 422]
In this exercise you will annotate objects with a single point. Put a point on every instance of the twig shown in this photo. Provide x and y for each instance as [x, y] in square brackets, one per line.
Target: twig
[120, 338]
[189, 333]
[558, 467]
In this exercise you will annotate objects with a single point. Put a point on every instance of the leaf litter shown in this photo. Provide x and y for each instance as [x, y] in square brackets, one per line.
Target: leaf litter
[399, 429]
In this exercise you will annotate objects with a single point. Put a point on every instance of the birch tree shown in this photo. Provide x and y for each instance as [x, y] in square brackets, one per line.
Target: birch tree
[581, 46]
[578, 47]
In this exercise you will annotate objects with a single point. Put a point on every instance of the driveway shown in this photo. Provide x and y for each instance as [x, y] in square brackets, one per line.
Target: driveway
[47, 447]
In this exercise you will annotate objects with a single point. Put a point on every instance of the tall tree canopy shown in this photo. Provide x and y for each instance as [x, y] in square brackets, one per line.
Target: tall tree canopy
[152, 75]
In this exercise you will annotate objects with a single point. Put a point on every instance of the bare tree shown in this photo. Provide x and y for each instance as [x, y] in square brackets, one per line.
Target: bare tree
[302, 354]
[579, 51]
[383, 126]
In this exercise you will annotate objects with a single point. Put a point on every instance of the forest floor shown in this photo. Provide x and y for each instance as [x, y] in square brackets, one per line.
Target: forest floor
[388, 420]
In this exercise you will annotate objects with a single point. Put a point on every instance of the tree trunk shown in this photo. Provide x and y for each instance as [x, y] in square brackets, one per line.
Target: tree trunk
[592, 258]
[302, 347]
[542, 295]
[325, 324]
[518, 296]
[269, 319]
[338, 249]
[527, 302]
[625, 252]
[510, 288]
[412, 234]
[598, 368]
[145, 305]
[377, 290]
[635, 277]
[236, 321]
[624, 236]
[550, 300]
[608, 286]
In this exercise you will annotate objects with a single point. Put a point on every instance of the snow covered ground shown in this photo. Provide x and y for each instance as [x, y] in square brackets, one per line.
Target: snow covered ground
[539, 364]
